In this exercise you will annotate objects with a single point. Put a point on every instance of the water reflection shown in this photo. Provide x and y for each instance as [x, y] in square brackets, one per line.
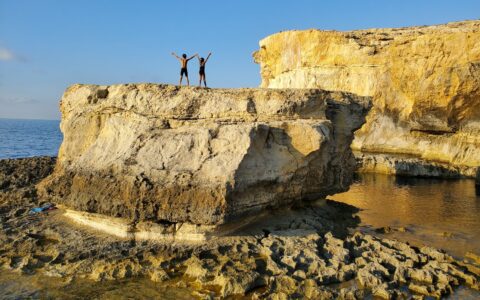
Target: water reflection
[17, 286]
[441, 213]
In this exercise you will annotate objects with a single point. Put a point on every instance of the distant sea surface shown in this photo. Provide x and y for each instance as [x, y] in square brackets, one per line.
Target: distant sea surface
[26, 138]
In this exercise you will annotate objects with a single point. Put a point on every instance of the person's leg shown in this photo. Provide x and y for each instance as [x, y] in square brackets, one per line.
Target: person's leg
[188, 82]
[181, 77]
[205, 80]
[200, 81]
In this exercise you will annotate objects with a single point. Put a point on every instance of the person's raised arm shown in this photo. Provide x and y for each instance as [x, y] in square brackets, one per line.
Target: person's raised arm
[208, 57]
[196, 54]
[173, 53]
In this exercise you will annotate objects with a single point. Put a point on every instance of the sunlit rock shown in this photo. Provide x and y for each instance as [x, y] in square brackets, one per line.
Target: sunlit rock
[424, 82]
[161, 153]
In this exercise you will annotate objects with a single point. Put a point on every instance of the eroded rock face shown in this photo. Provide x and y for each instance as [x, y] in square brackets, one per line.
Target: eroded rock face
[424, 82]
[164, 153]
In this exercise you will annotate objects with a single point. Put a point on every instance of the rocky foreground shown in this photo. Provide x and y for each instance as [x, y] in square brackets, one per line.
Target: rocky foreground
[423, 82]
[307, 251]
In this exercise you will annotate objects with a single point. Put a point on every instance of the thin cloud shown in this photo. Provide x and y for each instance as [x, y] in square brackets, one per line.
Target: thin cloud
[18, 100]
[8, 55]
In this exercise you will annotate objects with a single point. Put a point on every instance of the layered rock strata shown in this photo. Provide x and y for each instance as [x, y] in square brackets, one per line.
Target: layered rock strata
[167, 154]
[405, 165]
[424, 82]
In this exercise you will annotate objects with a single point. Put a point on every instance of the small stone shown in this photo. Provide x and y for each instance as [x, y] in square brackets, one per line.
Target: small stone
[195, 268]
[420, 275]
[382, 292]
[299, 274]
[419, 289]
[284, 284]
[435, 254]
[308, 288]
[159, 276]
[278, 296]
[473, 256]
[386, 229]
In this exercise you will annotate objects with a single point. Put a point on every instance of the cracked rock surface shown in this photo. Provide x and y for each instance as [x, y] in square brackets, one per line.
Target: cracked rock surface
[307, 251]
[162, 153]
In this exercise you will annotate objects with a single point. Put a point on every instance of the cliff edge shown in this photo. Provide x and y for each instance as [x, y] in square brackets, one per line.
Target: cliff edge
[162, 153]
[424, 82]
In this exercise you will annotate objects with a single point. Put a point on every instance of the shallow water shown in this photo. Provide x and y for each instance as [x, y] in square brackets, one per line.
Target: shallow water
[15, 286]
[27, 138]
[440, 213]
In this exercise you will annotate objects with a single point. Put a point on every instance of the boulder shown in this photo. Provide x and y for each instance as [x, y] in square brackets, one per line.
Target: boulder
[169, 154]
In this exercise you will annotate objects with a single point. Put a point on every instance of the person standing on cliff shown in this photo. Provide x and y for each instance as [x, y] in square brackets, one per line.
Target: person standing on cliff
[202, 61]
[184, 61]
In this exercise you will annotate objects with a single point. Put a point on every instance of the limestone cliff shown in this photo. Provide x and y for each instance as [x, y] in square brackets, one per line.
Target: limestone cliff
[204, 156]
[424, 81]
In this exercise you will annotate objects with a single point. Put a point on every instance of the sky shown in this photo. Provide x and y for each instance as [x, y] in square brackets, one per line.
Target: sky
[47, 45]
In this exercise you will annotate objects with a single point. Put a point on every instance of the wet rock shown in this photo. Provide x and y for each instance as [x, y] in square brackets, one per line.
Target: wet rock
[473, 256]
[435, 254]
[388, 229]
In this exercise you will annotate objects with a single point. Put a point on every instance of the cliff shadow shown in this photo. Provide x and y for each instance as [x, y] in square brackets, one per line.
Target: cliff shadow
[425, 170]
[282, 182]
[302, 218]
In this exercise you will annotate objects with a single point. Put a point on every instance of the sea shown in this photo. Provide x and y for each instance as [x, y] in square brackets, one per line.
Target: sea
[27, 138]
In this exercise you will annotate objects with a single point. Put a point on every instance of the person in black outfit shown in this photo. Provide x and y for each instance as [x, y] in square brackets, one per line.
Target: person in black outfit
[184, 61]
[201, 72]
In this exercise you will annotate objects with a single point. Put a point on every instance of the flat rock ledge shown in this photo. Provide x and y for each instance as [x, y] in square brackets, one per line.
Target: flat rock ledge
[308, 252]
[182, 155]
[405, 165]
[152, 231]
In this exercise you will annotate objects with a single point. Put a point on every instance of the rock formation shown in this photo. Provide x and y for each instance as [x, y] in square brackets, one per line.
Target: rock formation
[424, 81]
[304, 253]
[167, 154]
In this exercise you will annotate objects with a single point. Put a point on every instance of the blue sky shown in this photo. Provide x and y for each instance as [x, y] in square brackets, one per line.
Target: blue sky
[46, 45]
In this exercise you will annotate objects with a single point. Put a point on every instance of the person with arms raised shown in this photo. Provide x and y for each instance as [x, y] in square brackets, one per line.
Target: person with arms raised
[184, 62]
[202, 61]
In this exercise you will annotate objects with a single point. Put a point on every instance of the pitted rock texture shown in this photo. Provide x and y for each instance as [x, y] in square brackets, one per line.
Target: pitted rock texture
[203, 156]
[424, 82]
[304, 252]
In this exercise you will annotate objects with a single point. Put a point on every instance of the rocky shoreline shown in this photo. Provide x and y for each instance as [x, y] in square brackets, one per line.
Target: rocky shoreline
[404, 165]
[309, 251]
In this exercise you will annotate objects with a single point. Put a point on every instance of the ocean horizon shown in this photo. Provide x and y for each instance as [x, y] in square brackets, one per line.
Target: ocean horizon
[29, 137]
